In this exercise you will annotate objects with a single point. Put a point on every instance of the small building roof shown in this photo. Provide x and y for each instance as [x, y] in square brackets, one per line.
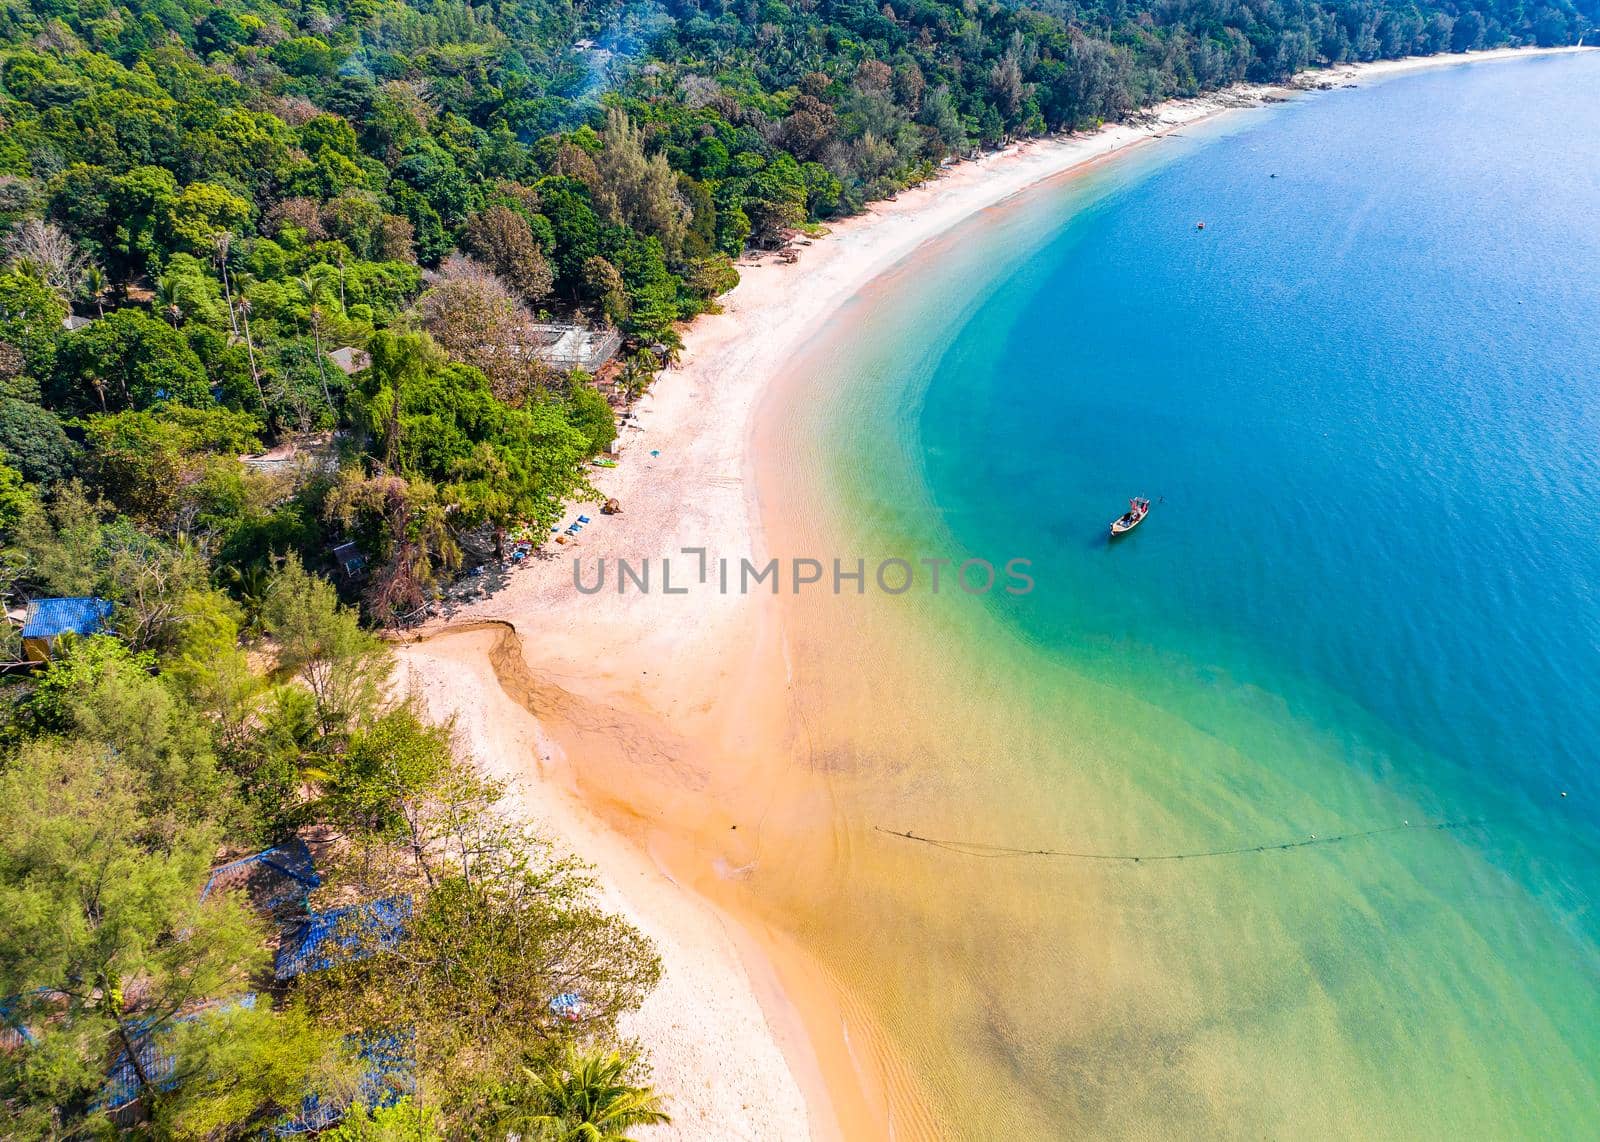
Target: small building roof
[273, 880]
[47, 618]
[318, 451]
[388, 1074]
[350, 359]
[14, 1032]
[342, 935]
[574, 346]
[352, 564]
[160, 1064]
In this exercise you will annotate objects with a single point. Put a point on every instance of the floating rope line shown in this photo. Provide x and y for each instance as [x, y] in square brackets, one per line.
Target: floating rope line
[981, 849]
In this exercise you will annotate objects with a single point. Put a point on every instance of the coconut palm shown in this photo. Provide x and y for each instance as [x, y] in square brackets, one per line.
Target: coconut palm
[311, 289]
[581, 1098]
[222, 243]
[243, 307]
[98, 384]
[95, 285]
[167, 297]
[250, 584]
[638, 372]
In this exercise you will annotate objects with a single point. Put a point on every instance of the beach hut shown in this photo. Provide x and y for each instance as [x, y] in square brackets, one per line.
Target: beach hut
[348, 558]
[156, 1057]
[388, 1074]
[342, 935]
[49, 619]
[350, 360]
[275, 881]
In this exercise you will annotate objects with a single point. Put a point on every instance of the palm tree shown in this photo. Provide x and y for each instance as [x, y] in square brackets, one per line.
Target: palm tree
[250, 349]
[167, 295]
[32, 269]
[638, 373]
[251, 583]
[222, 242]
[95, 285]
[98, 384]
[311, 289]
[582, 1098]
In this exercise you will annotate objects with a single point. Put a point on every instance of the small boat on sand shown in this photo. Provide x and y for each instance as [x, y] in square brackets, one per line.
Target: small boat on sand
[1138, 508]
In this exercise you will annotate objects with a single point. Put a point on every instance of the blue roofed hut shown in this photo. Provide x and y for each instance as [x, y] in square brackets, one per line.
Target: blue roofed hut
[342, 935]
[388, 1073]
[48, 620]
[156, 1057]
[275, 881]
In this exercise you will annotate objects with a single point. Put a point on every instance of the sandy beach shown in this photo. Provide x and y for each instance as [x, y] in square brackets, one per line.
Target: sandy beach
[650, 732]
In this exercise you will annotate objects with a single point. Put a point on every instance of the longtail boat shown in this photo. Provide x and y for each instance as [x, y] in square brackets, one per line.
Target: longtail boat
[1138, 508]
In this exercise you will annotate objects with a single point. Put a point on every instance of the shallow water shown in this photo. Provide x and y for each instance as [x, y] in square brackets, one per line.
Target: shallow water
[1363, 609]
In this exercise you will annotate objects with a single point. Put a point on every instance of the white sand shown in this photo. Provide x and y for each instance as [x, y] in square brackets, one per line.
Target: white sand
[712, 1052]
[715, 1049]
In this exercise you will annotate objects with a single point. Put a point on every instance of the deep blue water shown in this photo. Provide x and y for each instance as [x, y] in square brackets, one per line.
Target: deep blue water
[1366, 397]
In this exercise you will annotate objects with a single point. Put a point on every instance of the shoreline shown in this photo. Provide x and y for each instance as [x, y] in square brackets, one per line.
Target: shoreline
[633, 741]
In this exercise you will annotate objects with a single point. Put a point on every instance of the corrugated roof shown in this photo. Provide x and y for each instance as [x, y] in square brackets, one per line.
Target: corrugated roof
[278, 879]
[48, 618]
[350, 359]
[160, 1064]
[342, 935]
[388, 1074]
[574, 346]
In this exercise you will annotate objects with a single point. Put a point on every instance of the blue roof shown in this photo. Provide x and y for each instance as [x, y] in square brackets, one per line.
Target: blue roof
[388, 1074]
[274, 880]
[160, 1064]
[48, 618]
[13, 1032]
[342, 935]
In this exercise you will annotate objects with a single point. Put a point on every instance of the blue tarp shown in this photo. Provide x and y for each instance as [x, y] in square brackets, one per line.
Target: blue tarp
[388, 1074]
[275, 880]
[47, 618]
[342, 935]
[160, 1064]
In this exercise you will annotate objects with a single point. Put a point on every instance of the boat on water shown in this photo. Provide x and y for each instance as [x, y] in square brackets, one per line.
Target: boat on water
[1138, 508]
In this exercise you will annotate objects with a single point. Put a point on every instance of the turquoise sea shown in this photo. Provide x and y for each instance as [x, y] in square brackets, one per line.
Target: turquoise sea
[1365, 399]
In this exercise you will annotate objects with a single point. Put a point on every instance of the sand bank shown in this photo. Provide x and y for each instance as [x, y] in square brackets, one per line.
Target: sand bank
[663, 740]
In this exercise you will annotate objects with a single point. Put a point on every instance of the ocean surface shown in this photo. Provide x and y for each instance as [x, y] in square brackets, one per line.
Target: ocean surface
[1344, 682]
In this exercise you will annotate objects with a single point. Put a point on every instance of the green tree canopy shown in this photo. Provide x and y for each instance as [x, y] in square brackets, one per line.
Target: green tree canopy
[440, 421]
[34, 442]
[30, 322]
[105, 940]
[172, 468]
[128, 360]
